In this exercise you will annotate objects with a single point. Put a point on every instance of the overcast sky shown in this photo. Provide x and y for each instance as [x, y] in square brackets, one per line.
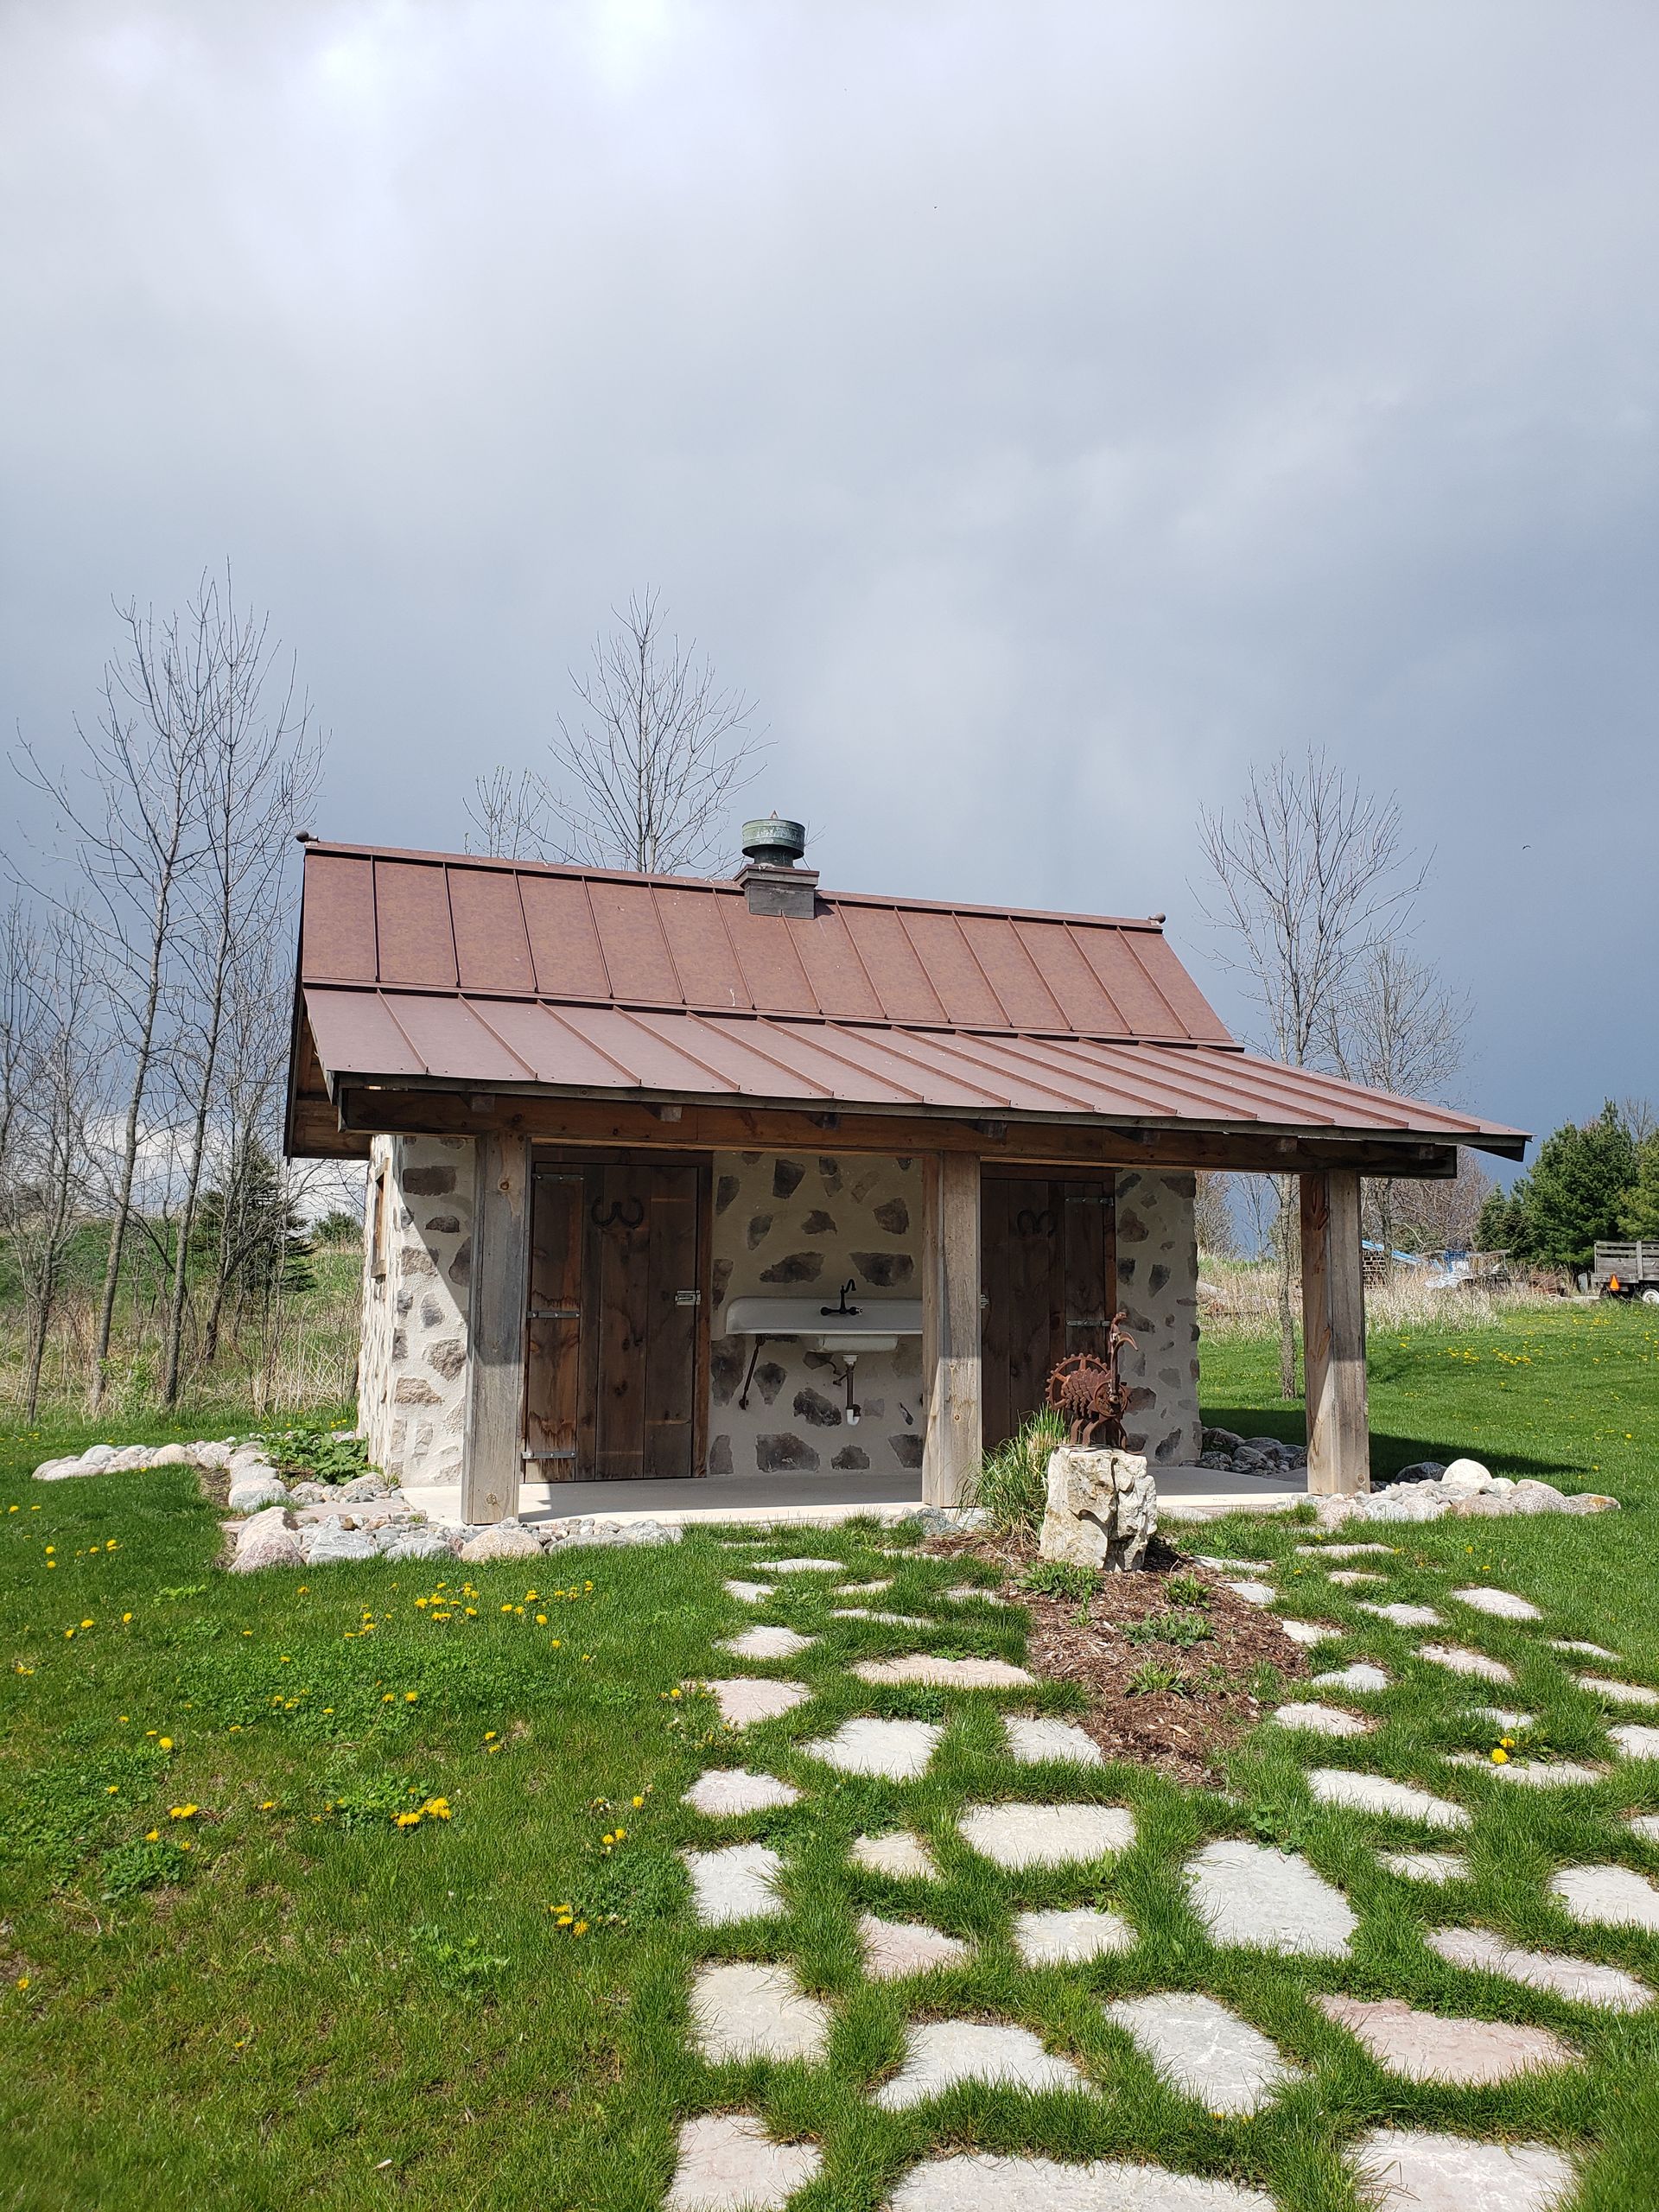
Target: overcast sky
[1044, 410]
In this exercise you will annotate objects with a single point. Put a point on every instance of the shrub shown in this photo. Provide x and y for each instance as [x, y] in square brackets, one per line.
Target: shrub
[322, 1455]
[1012, 1485]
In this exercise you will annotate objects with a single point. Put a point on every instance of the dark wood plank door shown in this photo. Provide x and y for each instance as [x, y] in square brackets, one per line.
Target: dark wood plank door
[1048, 1266]
[617, 1320]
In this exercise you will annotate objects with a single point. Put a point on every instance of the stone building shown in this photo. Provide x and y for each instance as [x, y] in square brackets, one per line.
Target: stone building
[674, 1178]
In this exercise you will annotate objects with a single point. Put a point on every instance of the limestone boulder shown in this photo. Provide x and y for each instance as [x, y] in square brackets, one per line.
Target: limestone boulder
[333, 1544]
[506, 1540]
[254, 1489]
[1101, 1509]
[61, 1470]
[266, 1539]
[363, 1488]
[1468, 1475]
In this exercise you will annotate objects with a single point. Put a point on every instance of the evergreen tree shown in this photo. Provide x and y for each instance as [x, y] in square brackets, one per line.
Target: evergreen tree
[1639, 1215]
[1578, 1187]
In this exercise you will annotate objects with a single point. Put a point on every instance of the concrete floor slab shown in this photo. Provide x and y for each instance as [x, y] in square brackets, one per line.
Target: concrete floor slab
[898, 1749]
[1408, 2169]
[1265, 1900]
[895, 1949]
[724, 1792]
[940, 2053]
[740, 1883]
[1204, 2050]
[1425, 2047]
[1253, 1594]
[728, 2163]
[1067, 1937]
[1046, 1835]
[1380, 1793]
[744, 2011]
[1581, 1981]
[982, 2182]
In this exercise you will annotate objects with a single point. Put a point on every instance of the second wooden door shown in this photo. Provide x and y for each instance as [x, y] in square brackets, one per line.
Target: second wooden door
[1048, 1268]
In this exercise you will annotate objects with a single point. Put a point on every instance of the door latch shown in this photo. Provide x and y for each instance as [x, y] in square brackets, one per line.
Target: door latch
[688, 1298]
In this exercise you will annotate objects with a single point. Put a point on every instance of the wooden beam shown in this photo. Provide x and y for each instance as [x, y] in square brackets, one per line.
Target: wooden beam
[497, 1320]
[950, 1326]
[548, 1119]
[1333, 1337]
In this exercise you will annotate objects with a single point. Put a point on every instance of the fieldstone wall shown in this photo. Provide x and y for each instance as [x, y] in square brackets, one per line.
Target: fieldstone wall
[1158, 1289]
[412, 1374]
[792, 1225]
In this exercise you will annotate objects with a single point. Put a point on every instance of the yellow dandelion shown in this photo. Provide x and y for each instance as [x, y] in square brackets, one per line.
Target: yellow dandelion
[183, 1812]
[166, 1743]
[1500, 1757]
[409, 1696]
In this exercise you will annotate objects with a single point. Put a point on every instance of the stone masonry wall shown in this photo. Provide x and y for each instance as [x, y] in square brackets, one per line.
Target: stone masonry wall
[1158, 1289]
[795, 1225]
[412, 1375]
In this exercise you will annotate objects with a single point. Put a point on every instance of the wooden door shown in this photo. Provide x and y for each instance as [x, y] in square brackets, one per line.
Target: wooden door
[1048, 1269]
[617, 1320]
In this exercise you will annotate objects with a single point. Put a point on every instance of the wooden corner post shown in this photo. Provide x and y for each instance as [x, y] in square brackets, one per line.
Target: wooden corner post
[953, 1438]
[1333, 1336]
[498, 1322]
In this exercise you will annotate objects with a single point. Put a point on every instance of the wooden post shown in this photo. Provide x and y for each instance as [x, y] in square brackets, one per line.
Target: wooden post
[1333, 1336]
[498, 1321]
[950, 1326]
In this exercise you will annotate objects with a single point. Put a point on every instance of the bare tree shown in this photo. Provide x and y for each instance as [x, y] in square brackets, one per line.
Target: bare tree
[254, 1052]
[258, 769]
[1212, 1213]
[1442, 1213]
[1309, 874]
[649, 769]
[1397, 1027]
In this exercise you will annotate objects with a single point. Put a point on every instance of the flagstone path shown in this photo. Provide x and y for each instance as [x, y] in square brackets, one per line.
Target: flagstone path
[1247, 1897]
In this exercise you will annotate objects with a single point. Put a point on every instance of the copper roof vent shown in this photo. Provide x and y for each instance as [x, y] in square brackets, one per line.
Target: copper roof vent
[772, 882]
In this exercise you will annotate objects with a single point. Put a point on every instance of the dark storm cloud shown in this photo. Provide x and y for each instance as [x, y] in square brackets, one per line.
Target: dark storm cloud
[1045, 411]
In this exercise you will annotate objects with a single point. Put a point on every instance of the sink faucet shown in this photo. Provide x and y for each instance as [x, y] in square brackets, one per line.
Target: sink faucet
[851, 1283]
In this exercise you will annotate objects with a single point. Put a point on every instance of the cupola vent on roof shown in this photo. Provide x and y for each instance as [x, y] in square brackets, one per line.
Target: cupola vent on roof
[772, 882]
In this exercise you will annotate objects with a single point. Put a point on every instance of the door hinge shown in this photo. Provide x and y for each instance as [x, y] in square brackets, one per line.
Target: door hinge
[688, 1298]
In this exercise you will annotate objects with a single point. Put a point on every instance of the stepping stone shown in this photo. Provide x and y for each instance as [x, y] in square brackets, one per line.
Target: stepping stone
[1323, 1721]
[1204, 2050]
[898, 1750]
[801, 1566]
[1423, 2047]
[981, 2182]
[738, 1884]
[1646, 1825]
[1066, 1937]
[1459, 1661]
[1344, 1551]
[1310, 1631]
[1035, 1741]
[895, 1949]
[728, 2163]
[1253, 1594]
[724, 1792]
[1360, 1677]
[1537, 1774]
[1046, 1835]
[1581, 1981]
[1409, 2170]
[1635, 1742]
[766, 1644]
[1376, 1793]
[1503, 1717]
[899, 1855]
[1606, 1897]
[748, 1593]
[748, 1698]
[864, 1613]
[864, 1589]
[1403, 1616]
[963, 1593]
[1425, 1866]
[1618, 1693]
[1503, 1604]
[743, 2010]
[1265, 1900]
[946, 1674]
[940, 2053]
[1585, 1651]
[1236, 1566]
[1350, 1578]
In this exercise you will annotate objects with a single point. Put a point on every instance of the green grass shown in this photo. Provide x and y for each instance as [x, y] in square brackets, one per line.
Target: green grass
[314, 2007]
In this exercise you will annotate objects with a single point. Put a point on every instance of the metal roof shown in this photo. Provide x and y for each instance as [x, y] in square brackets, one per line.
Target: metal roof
[432, 969]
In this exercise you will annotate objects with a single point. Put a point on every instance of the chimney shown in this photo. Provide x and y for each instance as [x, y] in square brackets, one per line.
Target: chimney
[772, 882]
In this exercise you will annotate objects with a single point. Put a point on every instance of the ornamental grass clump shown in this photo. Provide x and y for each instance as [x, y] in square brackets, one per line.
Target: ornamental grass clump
[1012, 1485]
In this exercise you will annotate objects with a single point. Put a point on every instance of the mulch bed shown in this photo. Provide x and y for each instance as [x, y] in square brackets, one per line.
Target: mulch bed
[1182, 1733]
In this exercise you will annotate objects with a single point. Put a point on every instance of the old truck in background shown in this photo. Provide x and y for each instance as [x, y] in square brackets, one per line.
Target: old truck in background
[1628, 1270]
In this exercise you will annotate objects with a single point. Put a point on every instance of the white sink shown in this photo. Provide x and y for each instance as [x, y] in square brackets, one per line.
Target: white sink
[868, 1324]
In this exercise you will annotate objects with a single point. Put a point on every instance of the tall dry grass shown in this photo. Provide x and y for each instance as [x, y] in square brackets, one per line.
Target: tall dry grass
[1239, 1298]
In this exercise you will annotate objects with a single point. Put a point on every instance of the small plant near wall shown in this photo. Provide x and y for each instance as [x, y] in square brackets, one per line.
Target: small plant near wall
[317, 1455]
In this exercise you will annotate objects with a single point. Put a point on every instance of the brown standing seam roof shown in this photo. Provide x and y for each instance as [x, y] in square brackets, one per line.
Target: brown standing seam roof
[434, 968]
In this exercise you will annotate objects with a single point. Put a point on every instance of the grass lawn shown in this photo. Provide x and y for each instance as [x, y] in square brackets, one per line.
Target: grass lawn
[313, 2004]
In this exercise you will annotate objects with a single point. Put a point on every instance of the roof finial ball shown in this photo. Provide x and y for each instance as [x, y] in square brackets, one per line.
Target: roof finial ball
[772, 884]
